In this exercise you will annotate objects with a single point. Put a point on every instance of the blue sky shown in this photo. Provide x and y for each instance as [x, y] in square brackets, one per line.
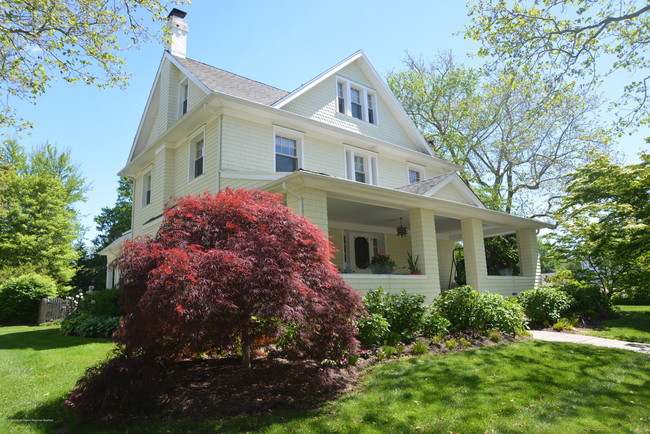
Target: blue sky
[281, 43]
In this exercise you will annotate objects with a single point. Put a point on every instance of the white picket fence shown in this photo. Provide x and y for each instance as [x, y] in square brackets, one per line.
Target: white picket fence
[51, 309]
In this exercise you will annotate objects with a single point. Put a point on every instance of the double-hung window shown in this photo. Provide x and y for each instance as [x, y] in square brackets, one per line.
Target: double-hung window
[287, 149]
[415, 173]
[197, 150]
[183, 96]
[286, 154]
[146, 189]
[356, 100]
[361, 166]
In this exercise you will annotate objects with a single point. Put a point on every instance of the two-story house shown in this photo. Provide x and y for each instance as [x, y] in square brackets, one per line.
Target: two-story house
[342, 151]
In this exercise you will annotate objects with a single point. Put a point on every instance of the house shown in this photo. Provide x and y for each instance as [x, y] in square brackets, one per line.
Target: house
[342, 151]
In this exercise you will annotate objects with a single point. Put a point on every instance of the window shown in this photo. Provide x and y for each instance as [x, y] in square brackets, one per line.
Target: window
[287, 149]
[414, 176]
[146, 189]
[361, 166]
[183, 96]
[197, 149]
[356, 100]
[415, 172]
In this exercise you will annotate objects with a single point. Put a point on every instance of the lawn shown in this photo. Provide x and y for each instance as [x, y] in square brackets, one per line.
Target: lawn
[523, 387]
[37, 368]
[633, 326]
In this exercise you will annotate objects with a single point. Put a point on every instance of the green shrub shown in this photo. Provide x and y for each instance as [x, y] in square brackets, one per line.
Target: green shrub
[103, 303]
[464, 342]
[373, 329]
[565, 324]
[586, 297]
[20, 297]
[389, 351]
[435, 325]
[467, 309]
[494, 336]
[451, 344]
[458, 306]
[545, 304]
[404, 312]
[87, 325]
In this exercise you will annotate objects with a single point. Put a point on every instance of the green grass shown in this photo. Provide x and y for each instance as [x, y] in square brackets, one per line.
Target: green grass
[634, 326]
[38, 367]
[532, 386]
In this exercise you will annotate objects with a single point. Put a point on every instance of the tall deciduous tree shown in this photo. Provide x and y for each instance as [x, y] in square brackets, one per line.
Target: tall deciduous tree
[516, 135]
[584, 39]
[77, 40]
[38, 223]
[604, 223]
[232, 271]
[114, 221]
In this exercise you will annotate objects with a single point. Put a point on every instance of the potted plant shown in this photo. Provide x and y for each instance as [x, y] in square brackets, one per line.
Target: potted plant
[382, 264]
[413, 263]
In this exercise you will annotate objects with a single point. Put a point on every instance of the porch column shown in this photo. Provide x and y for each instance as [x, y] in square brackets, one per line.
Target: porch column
[311, 203]
[424, 244]
[474, 247]
[109, 277]
[529, 254]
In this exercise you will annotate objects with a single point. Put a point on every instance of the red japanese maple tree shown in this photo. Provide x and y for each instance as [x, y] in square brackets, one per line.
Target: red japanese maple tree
[229, 271]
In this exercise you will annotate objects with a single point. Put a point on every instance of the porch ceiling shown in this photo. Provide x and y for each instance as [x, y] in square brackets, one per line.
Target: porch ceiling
[358, 215]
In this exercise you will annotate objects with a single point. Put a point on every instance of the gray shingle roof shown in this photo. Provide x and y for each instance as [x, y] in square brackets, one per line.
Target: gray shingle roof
[423, 186]
[226, 82]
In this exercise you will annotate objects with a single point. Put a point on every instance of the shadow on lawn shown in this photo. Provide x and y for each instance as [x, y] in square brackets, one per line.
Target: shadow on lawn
[39, 339]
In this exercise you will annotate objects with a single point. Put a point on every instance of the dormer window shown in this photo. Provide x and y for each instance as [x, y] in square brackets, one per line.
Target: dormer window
[183, 96]
[356, 100]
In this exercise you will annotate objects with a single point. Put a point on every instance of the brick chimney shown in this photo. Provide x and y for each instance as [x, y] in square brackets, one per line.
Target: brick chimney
[177, 44]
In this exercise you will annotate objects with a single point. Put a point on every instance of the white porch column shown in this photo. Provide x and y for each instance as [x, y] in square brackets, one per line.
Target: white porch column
[424, 244]
[474, 246]
[311, 203]
[109, 277]
[529, 254]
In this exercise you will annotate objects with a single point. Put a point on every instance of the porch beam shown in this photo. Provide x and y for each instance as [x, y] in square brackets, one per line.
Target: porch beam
[424, 244]
[474, 248]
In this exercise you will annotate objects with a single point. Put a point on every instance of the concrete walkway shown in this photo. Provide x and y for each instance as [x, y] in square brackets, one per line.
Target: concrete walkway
[590, 340]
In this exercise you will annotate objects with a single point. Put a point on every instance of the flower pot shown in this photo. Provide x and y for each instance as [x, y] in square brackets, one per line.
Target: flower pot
[416, 272]
[377, 269]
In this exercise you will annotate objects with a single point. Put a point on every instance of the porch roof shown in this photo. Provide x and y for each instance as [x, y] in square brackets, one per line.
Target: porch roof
[398, 199]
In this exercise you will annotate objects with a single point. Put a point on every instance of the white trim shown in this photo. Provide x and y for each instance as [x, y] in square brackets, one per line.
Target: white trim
[370, 163]
[183, 97]
[188, 74]
[463, 189]
[364, 93]
[146, 178]
[416, 168]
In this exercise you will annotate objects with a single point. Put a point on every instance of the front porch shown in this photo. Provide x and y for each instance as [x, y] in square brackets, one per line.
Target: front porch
[361, 221]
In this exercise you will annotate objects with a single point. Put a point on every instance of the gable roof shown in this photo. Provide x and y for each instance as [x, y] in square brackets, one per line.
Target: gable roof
[218, 80]
[379, 85]
[430, 186]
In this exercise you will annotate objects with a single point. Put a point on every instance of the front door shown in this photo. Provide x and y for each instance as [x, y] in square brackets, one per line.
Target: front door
[362, 247]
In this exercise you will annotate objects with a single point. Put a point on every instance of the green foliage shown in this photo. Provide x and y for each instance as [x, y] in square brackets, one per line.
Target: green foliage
[450, 344]
[389, 351]
[87, 325]
[514, 134]
[103, 303]
[467, 309]
[404, 312]
[38, 223]
[568, 40]
[464, 342]
[545, 304]
[586, 297]
[565, 324]
[20, 297]
[494, 336]
[435, 325]
[604, 222]
[420, 348]
[77, 41]
[113, 222]
[373, 329]
[502, 252]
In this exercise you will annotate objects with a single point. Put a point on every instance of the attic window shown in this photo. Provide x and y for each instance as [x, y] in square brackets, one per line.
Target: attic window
[356, 100]
[361, 166]
[415, 173]
[183, 95]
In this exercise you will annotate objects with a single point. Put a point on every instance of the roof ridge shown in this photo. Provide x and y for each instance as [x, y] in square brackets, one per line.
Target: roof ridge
[232, 73]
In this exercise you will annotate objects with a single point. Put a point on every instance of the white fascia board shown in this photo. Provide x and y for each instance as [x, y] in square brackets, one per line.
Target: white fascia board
[456, 180]
[188, 74]
[145, 111]
[316, 80]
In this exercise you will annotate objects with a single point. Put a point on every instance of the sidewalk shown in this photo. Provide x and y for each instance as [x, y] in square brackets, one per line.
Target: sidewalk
[590, 340]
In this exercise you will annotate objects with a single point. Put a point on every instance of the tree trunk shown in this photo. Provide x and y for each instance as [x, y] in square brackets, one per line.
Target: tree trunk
[246, 355]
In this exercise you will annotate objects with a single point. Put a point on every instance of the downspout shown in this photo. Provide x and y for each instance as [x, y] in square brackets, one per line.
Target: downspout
[288, 190]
